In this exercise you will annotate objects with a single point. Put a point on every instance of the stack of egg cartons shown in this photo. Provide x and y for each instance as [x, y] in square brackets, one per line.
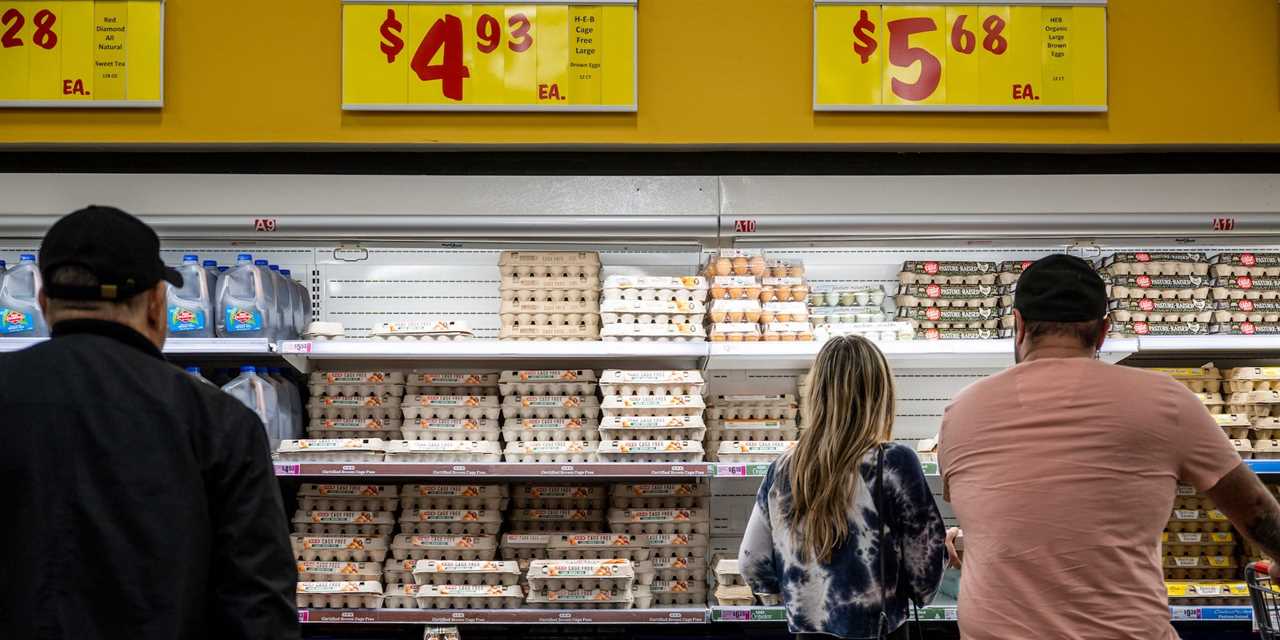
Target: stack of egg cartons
[422, 331]
[953, 300]
[550, 416]
[557, 522]
[1206, 383]
[651, 416]
[340, 541]
[853, 310]
[671, 521]
[1253, 395]
[554, 509]
[449, 417]
[330, 389]
[733, 591]
[550, 295]
[754, 299]
[653, 308]
[1246, 293]
[1158, 293]
[751, 428]
[1198, 549]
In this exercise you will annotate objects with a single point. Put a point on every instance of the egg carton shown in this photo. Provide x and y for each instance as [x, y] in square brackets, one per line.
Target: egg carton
[551, 452]
[354, 428]
[443, 547]
[1252, 374]
[840, 315]
[455, 407]
[730, 310]
[956, 318]
[653, 451]
[455, 496]
[548, 264]
[320, 571]
[638, 521]
[784, 312]
[1139, 328]
[674, 545]
[462, 429]
[787, 332]
[364, 407]
[669, 593]
[1010, 270]
[617, 382]
[574, 546]
[399, 571]
[1153, 310]
[948, 295]
[339, 595]
[510, 311]
[877, 331]
[454, 596]
[1225, 265]
[740, 288]
[654, 288]
[356, 383]
[1247, 329]
[527, 545]
[347, 497]
[1265, 428]
[558, 496]
[659, 495]
[564, 332]
[450, 521]
[1155, 263]
[667, 405]
[735, 332]
[556, 520]
[1246, 288]
[686, 311]
[1234, 424]
[1159, 287]
[1198, 544]
[399, 595]
[753, 431]
[653, 333]
[1197, 520]
[752, 451]
[652, 428]
[753, 407]
[1266, 449]
[338, 548]
[425, 330]
[1253, 410]
[345, 450]
[735, 596]
[572, 322]
[1253, 397]
[474, 384]
[1208, 593]
[582, 281]
[580, 406]
[738, 262]
[784, 289]
[1212, 401]
[550, 297]
[683, 569]
[428, 451]
[835, 297]
[557, 575]
[947, 272]
[323, 331]
[1197, 379]
[583, 599]
[343, 523]
[1244, 310]
[548, 382]
[1244, 448]
[464, 572]
[1200, 567]
[549, 429]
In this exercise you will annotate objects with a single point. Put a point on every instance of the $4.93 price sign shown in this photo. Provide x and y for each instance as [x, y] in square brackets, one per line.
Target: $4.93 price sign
[487, 56]
[951, 56]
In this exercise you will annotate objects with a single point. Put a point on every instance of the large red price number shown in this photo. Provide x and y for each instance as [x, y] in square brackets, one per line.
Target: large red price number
[444, 39]
[902, 54]
[44, 37]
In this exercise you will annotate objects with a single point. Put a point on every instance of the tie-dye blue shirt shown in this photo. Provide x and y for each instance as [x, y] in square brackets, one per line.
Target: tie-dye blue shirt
[843, 597]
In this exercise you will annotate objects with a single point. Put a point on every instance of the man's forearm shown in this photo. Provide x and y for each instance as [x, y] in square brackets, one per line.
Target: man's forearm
[1250, 507]
[1263, 525]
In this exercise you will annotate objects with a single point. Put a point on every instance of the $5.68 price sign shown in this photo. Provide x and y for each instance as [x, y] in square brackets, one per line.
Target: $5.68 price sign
[485, 56]
[959, 57]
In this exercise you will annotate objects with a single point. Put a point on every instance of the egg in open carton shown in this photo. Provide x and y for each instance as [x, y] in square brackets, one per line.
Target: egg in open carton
[451, 406]
[347, 497]
[455, 496]
[446, 383]
[333, 450]
[464, 429]
[556, 520]
[578, 406]
[550, 452]
[1199, 567]
[422, 331]
[680, 428]
[653, 521]
[1239, 312]
[558, 496]
[948, 272]
[400, 595]
[659, 495]
[1198, 544]
[1258, 265]
[443, 547]
[550, 429]
[322, 428]
[1196, 520]
[1155, 263]
[652, 312]
[557, 575]
[435, 451]
[347, 384]
[339, 595]
[450, 521]
[465, 572]
[469, 596]
[385, 407]
[338, 548]
[758, 451]
[321, 571]
[343, 523]
[675, 593]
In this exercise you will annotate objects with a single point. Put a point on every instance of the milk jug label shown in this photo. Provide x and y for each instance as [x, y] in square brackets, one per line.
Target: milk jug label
[241, 319]
[186, 319]
[14, 321]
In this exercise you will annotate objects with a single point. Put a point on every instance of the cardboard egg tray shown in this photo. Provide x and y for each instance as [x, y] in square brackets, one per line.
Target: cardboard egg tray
[679, 569]
[551, 272]
[443, 451]
[399, 595]
[1011, 270]
[1242, 310]
[338, 548]
[571, 322]
[783, 289]
[348, 497]
[550, 429]
[653, 333]
[455, 407]
[567, 299]
[318, 571]
[363, 407]
[450, 521]
[1139, 328]
[469, 597]
[435, 383]
[565, 332]
[454, 496]
[1155, 263]
[1247, 329]
[557, 575]
[1197, 544]
[833, 297]
[1266, 449]
[1222, 593]
[583, 599]
[617, 382]
[1246, 288]
[948, 295]
[947, 272]
[515, 261]
[1240, 375]
[655, 451]
[878, 331]
[556, 520]
[727, 573]
[1199, 567]
[465, 572]
[666, 405]
[548, 382]
[1197, 379]
[348, 450]
[551, 407]
[1265, 428]
[572, 451]
[735, 332]
[653, 428]
[1196, 521]
[842, 315]
[1225, 265]
[752, 407]
[443, 547]
[640, 521]
[672, 311]
[1152, 310]
[557, 496]
[752, 431]
[663, 495]
[654, 288]
[581, 281]
[356, 383]
[752, 451]
[339, 595]
[466, 429]
[668, 593]
[399, 571]
[675, 545]
[1234, 424]
[323, 331]
[343, 523]
[954, 318]
[734, 596]
[354, 428]
[787, 332]
[1244, 448]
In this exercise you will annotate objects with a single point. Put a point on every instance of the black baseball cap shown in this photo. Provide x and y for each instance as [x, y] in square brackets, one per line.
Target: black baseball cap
[117, 248]
[1060, 288]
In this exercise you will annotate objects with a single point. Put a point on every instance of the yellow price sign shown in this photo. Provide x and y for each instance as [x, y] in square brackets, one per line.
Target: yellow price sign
[951, 56]
[436, 55]
[81, 53]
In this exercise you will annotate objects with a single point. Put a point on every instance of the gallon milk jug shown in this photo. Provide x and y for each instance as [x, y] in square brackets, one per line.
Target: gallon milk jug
[211, 274]
[293, 398]
[295, 302]
[242, 310]
[270, 287]
[260, 396]
[283, 418]
[301, 303]
[191, 305]
[20, 315]
[195, 373]
[284, 302]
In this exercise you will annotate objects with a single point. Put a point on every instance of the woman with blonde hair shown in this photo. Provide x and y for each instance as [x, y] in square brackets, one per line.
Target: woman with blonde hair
[845, 528]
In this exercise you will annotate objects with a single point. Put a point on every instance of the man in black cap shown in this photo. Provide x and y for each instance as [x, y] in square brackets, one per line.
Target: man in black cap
[1062, 471]
[142, 501]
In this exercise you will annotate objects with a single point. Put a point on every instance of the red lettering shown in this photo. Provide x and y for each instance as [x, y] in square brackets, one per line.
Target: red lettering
[902, 54]
[264, 224]
[66, 87]
[554, 94]
[1224, 224]
[1017, 92]
[542, 92]
[744, 226]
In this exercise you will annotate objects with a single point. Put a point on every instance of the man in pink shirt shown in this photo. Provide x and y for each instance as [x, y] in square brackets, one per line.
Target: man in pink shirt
[1062, 472]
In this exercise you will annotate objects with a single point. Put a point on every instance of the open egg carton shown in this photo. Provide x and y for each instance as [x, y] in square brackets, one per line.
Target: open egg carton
[335, 450]
[447, 383]
[466, 572]
[1168, 311]
[464, 429]
[454, 596]
[443, 547]
[451, 406]
[451, 521]
[1155, 263]
[575, 406]
[1200, 567]
[957, 318]
[550, 429]
[787, 332]
[348, 497]
[431, 451]
[311, 548]
[339, 595]
[557, 575]
[735, 332]
[1258, 265]
[455, 496]
[952, 272]
[400, 595]
[653, 428]
[354, 428]
[659, 495]
[649, 312]
[347, 384]
[1198, 544]
[422, 330]
[587, 599]
[343, 523]
[382, 407]
[556, 520]
[1197, 520]
[539, 495]
[653, 521]
[677, 593]
[320, 571]
[758, 451]
[550, 452]
[738, 262]
[653, 333]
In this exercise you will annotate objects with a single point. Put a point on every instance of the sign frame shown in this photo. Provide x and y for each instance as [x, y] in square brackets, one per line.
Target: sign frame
[102, 104]
[518, 108]
[945, 108]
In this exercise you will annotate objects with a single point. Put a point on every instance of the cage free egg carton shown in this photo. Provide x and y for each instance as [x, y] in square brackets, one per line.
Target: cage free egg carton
[381, 407]
[548, 264]
[1197, 520]
[455, 496]
[356, 383]
[556, 520]
[555, 575]
[319, 571]
[1245, 310]
[1155, 263]
[653, 428]
[452, 406]
[1247, 329]
[347, 497]
[558, 496]
[947, 272]
[752, 451]
[679, 569]
[466, 429]
[752, 430]
[666, 405]
[582, 599]
[443, 383]
[526, 545]
[450, 521]
[1197, 544]
[349, 523]
[572, 321]
[339, 595]
[660, 495]
[346, 450]
[550, 407]
[948, 295]
[399, 595]
[753, 407]
[597, 546]
[1224, 265]
[428, 451]
[618, 382]
[653, 333]
[548, 429]
[654, 288]
[464, 572]
[454, 596]
[548, 382]
[527, 452]
[338, 548]
[645, 312]
[354, 428]
[428, 330]
[443, 547]
[638, 521]
[667, 593]
[399, 571]
[653, 451]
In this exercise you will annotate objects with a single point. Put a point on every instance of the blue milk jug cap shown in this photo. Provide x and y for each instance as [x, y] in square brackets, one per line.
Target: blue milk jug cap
[193, 369]
[210, 263]
[260, 263]
[190, 257]
[244, 256]
[248, 369]
[27, 257]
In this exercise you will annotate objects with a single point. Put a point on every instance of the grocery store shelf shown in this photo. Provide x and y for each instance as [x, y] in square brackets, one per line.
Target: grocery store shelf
[1190, 345]
[758, 469]
[931, 354]
[228, 347]
[18, 344]
[505, 616]
[496, 470]
[1264, 466]
[498, 353]
[936, 613]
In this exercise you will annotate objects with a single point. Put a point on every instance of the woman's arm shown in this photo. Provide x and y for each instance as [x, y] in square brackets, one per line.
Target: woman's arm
[755, 556]
[915, 519]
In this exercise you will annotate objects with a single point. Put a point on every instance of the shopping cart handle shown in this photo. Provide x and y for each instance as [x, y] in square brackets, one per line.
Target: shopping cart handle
[1262, 566]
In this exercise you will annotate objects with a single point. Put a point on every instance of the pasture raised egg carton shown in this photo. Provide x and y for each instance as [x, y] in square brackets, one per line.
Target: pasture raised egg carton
[465, 572]
[653, 521]
[466, 429]
[671, 593]
[1160, 287]
[665, 405]
[363, 407]
[654, 288]
[947, 272]
[1140, 328]
[653, 333]
[338, 548]
[318, 571]
[1197, 544]
[579, 406]
[752, 430]
[550, 452]
[548, 382]
[344, 450]
[1245, 310]
[347, 497]
[752, 451]
[1258, 265]
[548, 429]
[652, 428]
[455, 496]
[1153, 310]
[1155, 263]
[556, 520]
[584, 599]
[949, 295]
[617, 382]
[428, 330]
[752, 407]
[450, 406]
[556, 575]
[653, 451]
[1246, 288]
[343, 523]
[356, 383]
[558, 496]
[428, 451]
[400, 595]
[548, 264]
[354, 428]
[674, 545]
[1247, 329]
[443, 547]
[442, 383]
[646, 312]
[451, 521]
[339, 595]
[457, 596]
[659, 495]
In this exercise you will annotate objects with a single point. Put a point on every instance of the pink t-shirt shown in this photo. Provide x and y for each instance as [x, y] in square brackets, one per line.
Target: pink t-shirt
[1062, 473]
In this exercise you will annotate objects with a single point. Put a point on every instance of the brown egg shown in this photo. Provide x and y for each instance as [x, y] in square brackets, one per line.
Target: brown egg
[804, 336]
[716, 336]
[796, 270]
[767, 316]
[783, 317]
[735, 316]
[717, 292]
[737, 293]
[757, 266]
[752, 337]
[778, 270]
[709, 271]
[767, 294]
[771, 336]
[723, 266]
[739, 266]
[787, 336]
[717, 315]
[752, 316]
[799, 292]
[735, 337]
[783, 291]
[753, 293]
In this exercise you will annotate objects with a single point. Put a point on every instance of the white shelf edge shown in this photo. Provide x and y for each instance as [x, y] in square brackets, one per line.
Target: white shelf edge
[489, 349]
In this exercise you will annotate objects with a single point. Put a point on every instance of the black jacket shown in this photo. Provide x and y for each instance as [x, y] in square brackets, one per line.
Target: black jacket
[141, 501]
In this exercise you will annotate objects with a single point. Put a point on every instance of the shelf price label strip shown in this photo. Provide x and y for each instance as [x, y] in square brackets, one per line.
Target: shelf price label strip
[81, 53]
[960, 57]
[439, 56]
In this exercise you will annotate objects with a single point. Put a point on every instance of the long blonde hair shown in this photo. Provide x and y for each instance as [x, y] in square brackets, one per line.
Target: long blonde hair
[850, 409]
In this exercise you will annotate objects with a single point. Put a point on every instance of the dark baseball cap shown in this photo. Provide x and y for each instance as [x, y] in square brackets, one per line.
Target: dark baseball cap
[1061, 288]
[117, 248]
